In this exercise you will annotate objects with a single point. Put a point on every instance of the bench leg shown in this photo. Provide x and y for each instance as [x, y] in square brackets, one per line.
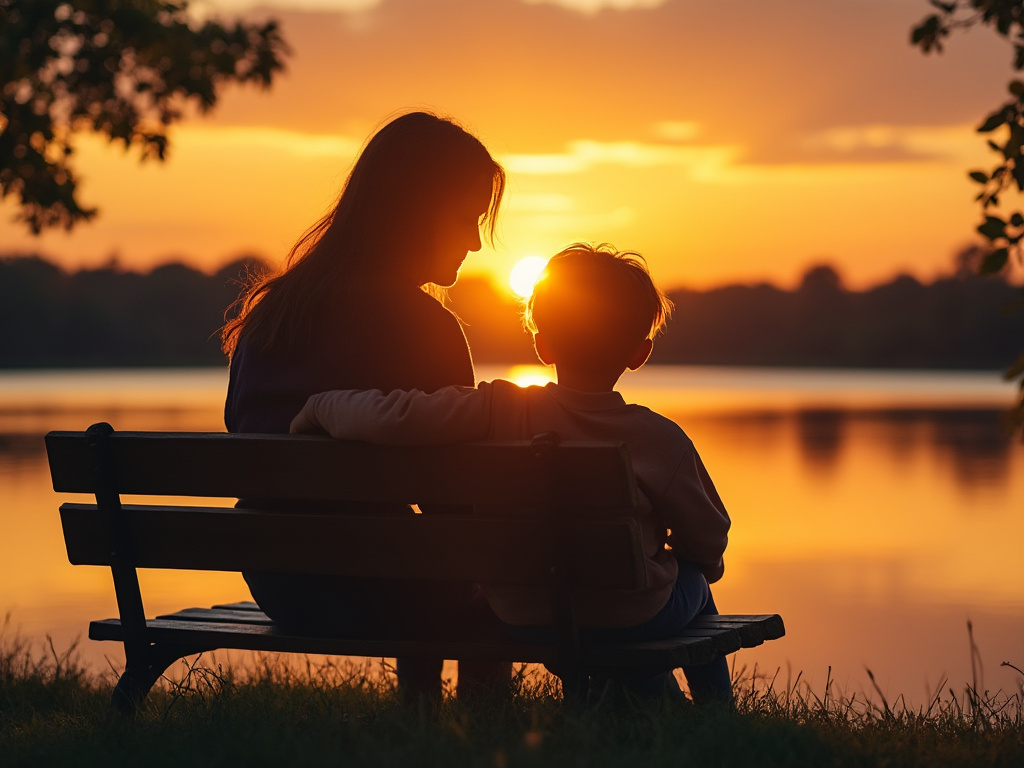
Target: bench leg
[419, 682]
[710, 683]
[140, 675]
[575, 688]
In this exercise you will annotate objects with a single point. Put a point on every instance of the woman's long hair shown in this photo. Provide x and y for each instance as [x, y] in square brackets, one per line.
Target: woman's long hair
[407, 173]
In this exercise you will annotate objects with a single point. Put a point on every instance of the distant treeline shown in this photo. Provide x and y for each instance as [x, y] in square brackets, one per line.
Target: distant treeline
[962, 321]
[109, 317]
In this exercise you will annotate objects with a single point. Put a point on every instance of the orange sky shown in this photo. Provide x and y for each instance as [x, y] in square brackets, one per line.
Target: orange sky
[735, 141]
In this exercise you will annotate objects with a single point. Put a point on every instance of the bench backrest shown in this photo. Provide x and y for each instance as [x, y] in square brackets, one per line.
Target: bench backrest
[536, 502]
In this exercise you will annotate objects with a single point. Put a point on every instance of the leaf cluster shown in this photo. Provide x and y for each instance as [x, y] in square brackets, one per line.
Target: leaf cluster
[1005, 127]
[126, 69]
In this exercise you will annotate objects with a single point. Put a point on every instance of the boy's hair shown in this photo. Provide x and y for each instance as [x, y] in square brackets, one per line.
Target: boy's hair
[595, 305]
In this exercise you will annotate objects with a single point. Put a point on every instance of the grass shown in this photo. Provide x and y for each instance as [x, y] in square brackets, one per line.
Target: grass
[54, 712]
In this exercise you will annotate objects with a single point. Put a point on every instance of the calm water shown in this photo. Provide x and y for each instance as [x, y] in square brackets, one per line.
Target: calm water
[877, 512]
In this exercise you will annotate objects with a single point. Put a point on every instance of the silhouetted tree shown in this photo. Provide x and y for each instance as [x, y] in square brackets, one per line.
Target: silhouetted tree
[732, 325]
[892, 327]
[953, 323]
[1004, 232]
[822, 280]
[111, 317]
[121, 68]
[823, 321]
[31, 291]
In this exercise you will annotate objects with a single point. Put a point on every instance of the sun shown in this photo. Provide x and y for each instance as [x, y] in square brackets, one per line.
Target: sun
[524, 274]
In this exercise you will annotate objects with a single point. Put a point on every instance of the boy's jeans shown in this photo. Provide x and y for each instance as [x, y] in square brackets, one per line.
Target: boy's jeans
[691, 597]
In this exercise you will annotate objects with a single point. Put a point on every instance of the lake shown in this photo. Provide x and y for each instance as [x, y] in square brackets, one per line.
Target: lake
[878, 512]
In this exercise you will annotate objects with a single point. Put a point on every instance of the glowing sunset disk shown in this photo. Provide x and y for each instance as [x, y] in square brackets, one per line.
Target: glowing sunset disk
[525, 273]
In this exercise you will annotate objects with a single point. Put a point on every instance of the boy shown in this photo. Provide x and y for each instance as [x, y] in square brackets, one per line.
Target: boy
[593, 314]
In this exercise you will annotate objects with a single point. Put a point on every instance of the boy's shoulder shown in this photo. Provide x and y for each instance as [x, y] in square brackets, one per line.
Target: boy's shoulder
[657, 424]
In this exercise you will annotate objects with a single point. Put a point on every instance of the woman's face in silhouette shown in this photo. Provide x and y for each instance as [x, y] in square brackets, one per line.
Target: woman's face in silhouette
[455, 232]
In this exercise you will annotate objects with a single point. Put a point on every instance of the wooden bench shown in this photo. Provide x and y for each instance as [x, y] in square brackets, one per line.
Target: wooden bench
[571, 527]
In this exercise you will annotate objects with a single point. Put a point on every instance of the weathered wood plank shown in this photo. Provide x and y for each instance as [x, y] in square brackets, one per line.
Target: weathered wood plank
[222, 615]
[260, 637]
[725, 639]
[755, 628]
[498, 550]
[225, 628]
[729, 633]
[770, 625]
[243, 605]
[306, 467]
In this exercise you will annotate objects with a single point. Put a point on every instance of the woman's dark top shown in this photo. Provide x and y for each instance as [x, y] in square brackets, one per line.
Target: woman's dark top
[377, 339]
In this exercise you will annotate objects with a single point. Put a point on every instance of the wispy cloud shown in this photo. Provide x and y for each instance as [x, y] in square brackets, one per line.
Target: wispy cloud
[540, 202]
[271, 139]
[583, 155]
[870, 144]
[899, 142]
[206, 6]
[567, 224]
[593, 6]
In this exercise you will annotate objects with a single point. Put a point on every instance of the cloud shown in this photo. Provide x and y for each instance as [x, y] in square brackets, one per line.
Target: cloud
[551, 213]
[860, 145]
[870, 144]
[532, 76]
[560, 223]
[582, 6]
[683, 126]
[677, 130]
[256, 139]
[237, 6]
[593, 6]
[540, 202]
[583, 155]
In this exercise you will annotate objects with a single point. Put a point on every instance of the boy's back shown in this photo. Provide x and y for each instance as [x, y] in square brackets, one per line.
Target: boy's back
[594, 314]
[676, 492]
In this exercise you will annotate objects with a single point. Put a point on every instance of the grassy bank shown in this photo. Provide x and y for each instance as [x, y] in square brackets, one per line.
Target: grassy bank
[54, 712]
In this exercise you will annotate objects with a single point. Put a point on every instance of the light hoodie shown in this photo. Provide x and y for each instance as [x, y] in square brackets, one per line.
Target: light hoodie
[676, 492]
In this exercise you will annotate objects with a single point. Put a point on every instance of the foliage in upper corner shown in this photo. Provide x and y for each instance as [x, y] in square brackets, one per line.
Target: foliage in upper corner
[1005, 126]
[122, 68]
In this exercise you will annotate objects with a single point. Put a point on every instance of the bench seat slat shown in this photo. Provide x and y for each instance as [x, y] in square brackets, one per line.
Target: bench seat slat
[706, 637]
[770, 624]
[728, 637]
[498, 550]
[307, 467]
[755, 629]
[218, 614]
[261, 637]
[242, 605]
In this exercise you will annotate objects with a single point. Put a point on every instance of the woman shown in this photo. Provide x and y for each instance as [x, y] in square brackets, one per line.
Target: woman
[356, 307]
